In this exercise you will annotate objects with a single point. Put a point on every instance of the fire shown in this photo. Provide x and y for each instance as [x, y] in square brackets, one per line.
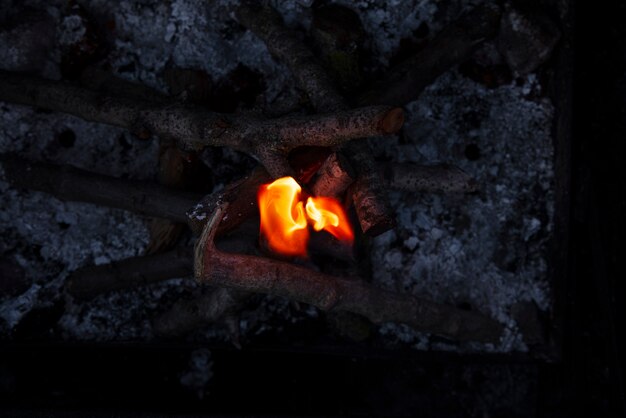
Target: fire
[327, 214]
[285, 218]
[283, 222]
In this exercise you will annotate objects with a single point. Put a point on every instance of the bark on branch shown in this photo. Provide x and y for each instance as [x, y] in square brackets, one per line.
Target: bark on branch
[194, 128]
[262, 275]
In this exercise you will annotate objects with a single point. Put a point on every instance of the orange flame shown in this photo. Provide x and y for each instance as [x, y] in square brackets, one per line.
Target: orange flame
[327, 214]
[283, 222]
[284, 217]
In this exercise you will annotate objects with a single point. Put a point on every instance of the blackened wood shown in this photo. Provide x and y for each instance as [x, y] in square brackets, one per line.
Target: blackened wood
[69, 183]
[451, 47]
[442, 178]
[90, 281]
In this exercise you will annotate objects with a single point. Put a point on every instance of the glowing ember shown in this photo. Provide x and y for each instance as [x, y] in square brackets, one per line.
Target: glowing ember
[284, 221]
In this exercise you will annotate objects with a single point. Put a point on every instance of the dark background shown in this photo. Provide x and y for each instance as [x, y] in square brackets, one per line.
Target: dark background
[143, 380]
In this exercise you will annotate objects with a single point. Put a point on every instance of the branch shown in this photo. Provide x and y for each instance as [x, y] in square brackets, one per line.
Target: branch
[194, 128]
[90, 281]
[284, 44]
[330, 293]
[370, 200]
[69, 183]
[441, 178]
[149, 199]
[452, 46]
[334, 177]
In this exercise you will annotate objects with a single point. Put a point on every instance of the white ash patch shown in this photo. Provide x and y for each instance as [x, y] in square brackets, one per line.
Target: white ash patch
[488, 250]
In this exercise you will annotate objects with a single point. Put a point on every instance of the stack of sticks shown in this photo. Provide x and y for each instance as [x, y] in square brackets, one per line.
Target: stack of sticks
[346, 169]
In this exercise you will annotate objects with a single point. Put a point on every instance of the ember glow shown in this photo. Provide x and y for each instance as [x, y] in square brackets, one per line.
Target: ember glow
[284, 219]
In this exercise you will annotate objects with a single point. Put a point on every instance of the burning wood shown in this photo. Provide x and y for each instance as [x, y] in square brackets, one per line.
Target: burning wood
[330, 293]
[69, 183]
[285, 217]
[369, 197]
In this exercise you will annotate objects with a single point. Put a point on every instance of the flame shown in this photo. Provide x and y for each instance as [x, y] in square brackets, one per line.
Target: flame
[285, 218]
[327, 214]
[283, 222]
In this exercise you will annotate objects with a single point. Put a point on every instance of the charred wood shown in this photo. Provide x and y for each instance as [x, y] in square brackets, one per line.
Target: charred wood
[90, 281]
[69, 183]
